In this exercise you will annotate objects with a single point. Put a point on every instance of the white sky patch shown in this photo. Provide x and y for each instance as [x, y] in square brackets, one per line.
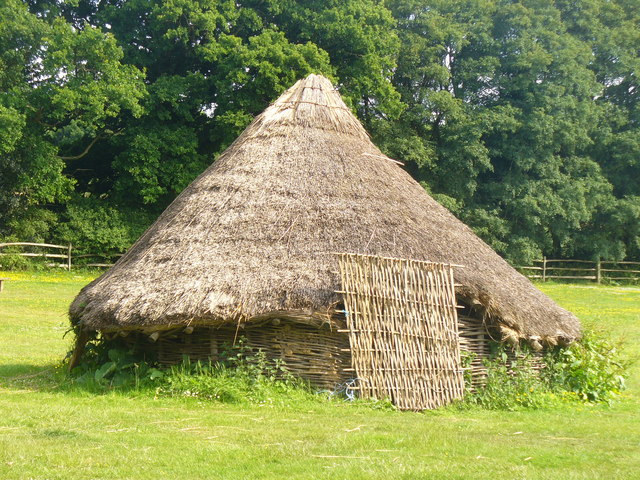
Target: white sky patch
[209, 109]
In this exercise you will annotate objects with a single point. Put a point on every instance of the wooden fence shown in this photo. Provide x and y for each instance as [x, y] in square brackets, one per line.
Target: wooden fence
[47, 251]
[597, 271]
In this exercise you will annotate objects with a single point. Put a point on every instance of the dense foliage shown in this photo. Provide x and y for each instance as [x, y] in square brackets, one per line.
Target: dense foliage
[520, 116]
[591, 370]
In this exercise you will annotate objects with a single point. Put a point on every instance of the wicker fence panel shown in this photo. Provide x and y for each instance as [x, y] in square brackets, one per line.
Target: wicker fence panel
[319, 355]
[403, 330]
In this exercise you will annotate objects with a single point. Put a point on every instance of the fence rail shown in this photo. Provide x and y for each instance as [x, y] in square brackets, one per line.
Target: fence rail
[545, 269]
[567, 269]
[45, 248]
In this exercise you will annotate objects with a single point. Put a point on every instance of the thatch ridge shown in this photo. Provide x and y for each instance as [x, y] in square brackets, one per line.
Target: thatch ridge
[257, 232]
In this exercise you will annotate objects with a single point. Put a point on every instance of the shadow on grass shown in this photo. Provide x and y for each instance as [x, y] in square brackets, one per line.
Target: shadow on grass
[54, 378]
[35, 377]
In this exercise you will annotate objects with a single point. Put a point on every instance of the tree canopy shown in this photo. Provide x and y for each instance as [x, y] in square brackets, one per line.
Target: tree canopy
[522, 117]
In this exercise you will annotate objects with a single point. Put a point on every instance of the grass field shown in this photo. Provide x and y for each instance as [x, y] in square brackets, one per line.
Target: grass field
[48, 432]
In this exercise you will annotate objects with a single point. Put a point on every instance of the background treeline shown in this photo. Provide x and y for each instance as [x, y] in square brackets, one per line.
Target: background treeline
[521, 117]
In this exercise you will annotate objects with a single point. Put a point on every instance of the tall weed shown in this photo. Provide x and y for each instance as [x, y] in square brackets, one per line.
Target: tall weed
[590, 370]
[593, 369]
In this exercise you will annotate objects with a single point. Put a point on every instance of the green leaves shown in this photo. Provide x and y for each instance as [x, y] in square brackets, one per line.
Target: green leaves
[589, 370]
[522, 117]
[592, 369]
[159, 162]
[63, 89]
[108, 365]
[515, 101]
[92, 226]
[105, 370]
[12, 123]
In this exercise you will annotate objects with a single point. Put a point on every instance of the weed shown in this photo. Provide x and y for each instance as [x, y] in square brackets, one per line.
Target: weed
[510, 384]
[590, 370]
[110, 365]
[242, 376]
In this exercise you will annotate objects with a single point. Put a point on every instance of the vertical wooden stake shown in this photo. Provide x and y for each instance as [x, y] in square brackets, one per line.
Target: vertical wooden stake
[544, 269]
[598, 271]
[69, 257]
[78, 350]
[213, 346]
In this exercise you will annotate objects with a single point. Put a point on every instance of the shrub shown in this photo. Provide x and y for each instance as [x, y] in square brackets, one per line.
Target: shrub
[94, 226]
[33, 225]
[592, 369]
[510, 384]
[12, 261]
[112, 365]
[589, 370]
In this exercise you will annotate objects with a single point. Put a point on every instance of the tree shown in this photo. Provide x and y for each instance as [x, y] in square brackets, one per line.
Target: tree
[507, 118]
[521, 117]
[441, 131]
[211, 66]
[63, 90]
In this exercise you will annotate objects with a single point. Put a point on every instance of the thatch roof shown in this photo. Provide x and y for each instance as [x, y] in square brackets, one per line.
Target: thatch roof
[256, 233]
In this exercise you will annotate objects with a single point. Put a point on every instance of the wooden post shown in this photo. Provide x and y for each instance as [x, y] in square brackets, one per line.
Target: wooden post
[213, 346]
[544, 269]
[78, 349]
[598, 271]
[69, 257]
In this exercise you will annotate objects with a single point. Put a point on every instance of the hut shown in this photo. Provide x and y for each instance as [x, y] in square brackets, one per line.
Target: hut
[248, 249]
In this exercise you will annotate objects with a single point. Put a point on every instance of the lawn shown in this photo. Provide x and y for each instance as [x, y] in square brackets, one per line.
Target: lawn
[51, 433]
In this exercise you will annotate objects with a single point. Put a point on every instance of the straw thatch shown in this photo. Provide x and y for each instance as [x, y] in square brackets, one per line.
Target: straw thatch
[254, 236]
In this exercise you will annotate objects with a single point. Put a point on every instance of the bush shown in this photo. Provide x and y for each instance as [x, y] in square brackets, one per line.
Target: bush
[15, 262]
[12, 260]
[110, 365]
[590, 370]
[509, 385]
[33, 225]
[93, 226]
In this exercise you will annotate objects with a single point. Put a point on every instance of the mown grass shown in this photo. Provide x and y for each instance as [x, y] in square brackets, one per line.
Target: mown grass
[50, 432]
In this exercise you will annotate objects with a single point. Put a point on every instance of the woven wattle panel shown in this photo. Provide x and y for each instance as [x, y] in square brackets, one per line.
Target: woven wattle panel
[403, 329]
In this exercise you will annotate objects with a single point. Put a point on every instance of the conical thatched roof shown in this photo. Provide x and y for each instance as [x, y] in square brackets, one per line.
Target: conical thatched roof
[257, 232]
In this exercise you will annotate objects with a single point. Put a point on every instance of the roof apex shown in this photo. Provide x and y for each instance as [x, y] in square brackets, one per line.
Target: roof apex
[312, 102]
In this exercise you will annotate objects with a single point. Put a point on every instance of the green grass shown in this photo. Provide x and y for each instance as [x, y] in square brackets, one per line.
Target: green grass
[48, 432]
[33, 318]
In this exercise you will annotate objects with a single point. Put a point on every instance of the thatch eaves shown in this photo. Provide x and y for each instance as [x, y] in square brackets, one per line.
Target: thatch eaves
[257, 232]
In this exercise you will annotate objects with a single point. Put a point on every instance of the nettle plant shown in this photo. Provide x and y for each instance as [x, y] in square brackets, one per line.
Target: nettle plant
[591, 370]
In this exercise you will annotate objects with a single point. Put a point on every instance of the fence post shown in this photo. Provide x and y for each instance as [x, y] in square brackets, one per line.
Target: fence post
[69, 257]
[598, 271]
[544, 269]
